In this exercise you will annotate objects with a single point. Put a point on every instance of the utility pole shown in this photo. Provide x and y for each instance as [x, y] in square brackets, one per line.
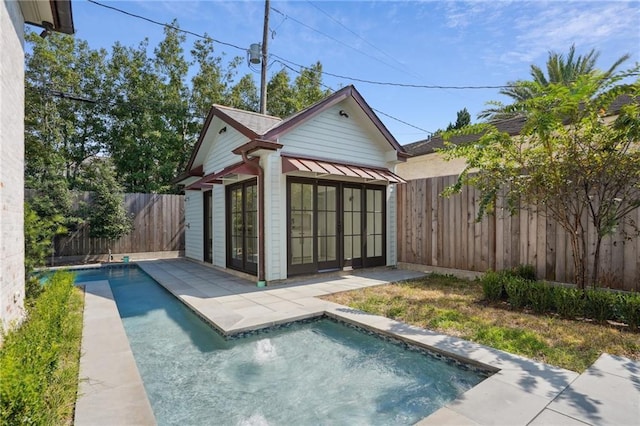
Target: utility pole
[263, 73]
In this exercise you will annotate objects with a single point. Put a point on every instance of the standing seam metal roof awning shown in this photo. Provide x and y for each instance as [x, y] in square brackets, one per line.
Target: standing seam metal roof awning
[291, 164]
[206, 182]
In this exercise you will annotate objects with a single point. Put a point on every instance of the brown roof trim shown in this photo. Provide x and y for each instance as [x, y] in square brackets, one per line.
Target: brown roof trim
[235, 124]
[217, 112]
[237, 168]
[378, 123]
[62, 16]
[314, 109]
[256, 145]
[198, 171]
[203, 132]
[328, 102]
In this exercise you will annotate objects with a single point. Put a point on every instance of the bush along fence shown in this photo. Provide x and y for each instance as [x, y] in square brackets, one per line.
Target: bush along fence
[438, 231]
[601, 305]
[158, 226]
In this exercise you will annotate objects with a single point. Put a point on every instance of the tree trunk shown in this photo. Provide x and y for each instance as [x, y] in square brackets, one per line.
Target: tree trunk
[596, 262]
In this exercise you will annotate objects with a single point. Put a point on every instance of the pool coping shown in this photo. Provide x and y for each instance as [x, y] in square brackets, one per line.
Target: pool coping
[521, 391]
[109, 375]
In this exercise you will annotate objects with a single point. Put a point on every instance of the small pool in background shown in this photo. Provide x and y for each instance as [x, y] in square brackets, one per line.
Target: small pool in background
[318, 372]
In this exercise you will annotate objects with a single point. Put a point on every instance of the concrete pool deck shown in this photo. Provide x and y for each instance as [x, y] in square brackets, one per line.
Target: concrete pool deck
[521, 392]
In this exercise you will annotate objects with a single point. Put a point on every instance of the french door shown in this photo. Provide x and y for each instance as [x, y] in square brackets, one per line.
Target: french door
[242, 226]
[334, 225]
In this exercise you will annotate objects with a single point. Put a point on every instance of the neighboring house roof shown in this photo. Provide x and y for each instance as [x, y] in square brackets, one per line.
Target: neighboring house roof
[53, 15]
[512, 126]
[266, 128]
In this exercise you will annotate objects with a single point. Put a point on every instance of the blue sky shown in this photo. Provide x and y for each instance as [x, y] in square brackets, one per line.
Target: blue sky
[446, 43]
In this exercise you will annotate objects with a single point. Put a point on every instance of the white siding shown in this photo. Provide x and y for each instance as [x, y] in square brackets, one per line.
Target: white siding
[275, 218]
[193, 216]
[333, 137]
[11, 165]
[392, 231]
[219, 233]
[220, 155]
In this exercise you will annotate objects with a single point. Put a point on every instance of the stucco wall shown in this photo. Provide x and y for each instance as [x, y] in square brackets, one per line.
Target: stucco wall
[11, 163]
[429, 165]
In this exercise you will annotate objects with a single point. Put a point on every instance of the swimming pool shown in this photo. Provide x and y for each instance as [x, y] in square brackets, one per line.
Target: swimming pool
[319, 372]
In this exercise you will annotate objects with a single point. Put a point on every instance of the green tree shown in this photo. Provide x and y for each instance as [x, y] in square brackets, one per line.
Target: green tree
[135, 138]
[107, 215]
[212, 82]
[307, 87]
[571, 159]
[244, 95]
[64, 123]
[561, 70]
[463, 119]
[280, 99]
[286, 97]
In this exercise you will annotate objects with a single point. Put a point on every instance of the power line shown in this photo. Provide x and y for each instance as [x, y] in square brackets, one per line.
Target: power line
[336, 40]
[205, 37]
[358, 35]
[388, 83]
[376, 110]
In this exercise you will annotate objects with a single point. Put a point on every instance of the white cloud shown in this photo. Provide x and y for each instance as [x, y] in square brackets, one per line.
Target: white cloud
[555, 26]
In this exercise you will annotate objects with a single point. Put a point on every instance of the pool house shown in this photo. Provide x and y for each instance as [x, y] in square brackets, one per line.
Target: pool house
[275, 198]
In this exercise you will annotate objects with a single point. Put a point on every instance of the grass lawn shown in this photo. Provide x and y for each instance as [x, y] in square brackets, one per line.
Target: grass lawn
[454, 306]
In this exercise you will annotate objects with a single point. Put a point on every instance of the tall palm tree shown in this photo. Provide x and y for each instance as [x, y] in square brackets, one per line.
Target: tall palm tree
[560, 70]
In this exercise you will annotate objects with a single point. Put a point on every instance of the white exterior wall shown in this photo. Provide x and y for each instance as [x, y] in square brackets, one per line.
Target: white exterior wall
[429, 165]
[275, 218]
[392, 230]
[219, 233]
[220, 155]
[332, 137]
[193, 211]
[11, 164]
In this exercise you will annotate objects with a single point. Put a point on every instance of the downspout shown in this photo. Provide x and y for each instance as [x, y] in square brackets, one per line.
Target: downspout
[261, 241]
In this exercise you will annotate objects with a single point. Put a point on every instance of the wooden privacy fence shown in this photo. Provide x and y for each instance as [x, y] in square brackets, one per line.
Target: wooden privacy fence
[438, 231]
[158, 225]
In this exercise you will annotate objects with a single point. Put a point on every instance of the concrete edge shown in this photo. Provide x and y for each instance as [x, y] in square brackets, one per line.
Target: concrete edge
[110, 389]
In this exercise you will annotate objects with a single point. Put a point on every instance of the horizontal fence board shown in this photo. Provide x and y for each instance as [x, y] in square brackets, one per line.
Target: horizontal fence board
[438, 231]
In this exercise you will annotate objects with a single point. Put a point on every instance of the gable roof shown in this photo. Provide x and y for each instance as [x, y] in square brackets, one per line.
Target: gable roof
[256, 122]
[268, 128]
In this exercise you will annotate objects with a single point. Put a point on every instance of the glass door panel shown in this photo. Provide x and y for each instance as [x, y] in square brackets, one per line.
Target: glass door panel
[352, 226]
[301, 227]
[327, 226]
[242, 226]
[250, 218]
[375, 228]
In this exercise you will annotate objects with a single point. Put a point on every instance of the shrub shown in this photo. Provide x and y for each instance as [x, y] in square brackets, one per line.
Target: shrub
[39, 360]
[628, 309]
[569, 302]
[540, 297]
[527, 272]
[517, 291]
[493, 285]
[599, 304]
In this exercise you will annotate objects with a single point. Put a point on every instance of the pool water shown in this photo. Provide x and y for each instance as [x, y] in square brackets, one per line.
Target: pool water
[319, 372]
